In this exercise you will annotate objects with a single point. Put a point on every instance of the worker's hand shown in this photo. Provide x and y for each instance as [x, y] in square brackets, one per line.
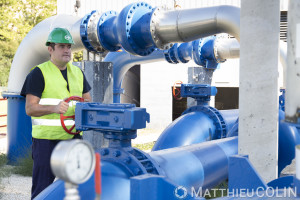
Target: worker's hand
[62, 107]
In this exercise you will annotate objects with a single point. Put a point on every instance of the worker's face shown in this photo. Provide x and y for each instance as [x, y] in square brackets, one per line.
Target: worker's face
[61, 54]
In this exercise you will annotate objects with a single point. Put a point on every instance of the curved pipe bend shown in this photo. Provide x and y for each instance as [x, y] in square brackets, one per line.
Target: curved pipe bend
[123, 61]
[32, 50]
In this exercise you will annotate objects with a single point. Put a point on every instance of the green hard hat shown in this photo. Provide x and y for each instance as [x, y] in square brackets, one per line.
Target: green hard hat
[59, 35]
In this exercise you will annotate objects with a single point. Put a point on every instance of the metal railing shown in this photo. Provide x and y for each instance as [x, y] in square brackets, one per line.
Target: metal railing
[3, 115]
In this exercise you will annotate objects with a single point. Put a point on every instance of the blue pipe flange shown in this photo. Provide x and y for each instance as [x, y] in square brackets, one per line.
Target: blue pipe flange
[118, 91]
[171, 54]
[155, 37]
[89, 32]
[282, 100]
[134, 29]
[197, 44]
[167, 56]
[203, 53]
[174, 53]
[107, 31]
[135, 161]
[214, 114]
[219, 37]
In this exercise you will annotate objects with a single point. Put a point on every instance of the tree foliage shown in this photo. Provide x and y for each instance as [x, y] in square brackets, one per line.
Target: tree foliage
[17, 18]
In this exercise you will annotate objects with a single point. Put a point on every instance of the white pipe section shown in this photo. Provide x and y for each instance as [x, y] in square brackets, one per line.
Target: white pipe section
[33, 51]
[229, 48]
[283, 59]
[191, 24]
[226, 48]
[297, 161]
[292, 107]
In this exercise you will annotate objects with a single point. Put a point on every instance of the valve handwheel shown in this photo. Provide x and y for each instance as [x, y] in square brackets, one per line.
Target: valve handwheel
[176, 90]
[62, 117]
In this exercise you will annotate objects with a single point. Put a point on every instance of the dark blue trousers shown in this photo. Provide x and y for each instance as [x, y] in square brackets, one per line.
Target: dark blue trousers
[42, 175]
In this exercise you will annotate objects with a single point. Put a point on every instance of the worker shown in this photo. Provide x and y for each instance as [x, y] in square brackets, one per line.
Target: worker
[45, 88]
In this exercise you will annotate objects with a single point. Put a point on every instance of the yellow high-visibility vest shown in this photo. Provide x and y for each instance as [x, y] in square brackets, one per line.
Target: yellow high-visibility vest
[49, 126]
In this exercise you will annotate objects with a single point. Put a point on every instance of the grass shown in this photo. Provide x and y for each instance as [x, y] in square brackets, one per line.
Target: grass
[24, 166]
[219, 191]
[145, 147]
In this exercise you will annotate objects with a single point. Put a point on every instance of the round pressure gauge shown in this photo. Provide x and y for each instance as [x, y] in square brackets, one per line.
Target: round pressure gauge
[73, 161]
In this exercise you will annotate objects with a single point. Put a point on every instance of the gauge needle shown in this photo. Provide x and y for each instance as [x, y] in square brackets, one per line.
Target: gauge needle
[78, 162]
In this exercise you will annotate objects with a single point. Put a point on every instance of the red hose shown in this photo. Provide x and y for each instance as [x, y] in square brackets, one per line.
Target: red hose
[98, 176]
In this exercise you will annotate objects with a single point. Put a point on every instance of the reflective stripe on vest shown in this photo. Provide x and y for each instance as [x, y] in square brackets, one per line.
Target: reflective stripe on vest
[51, 122]
[51, 101]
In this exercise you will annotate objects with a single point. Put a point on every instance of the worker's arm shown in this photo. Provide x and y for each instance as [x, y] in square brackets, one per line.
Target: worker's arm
[87, 97]
[34, 109]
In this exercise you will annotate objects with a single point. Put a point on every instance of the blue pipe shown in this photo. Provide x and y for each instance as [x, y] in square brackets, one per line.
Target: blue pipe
[200, 165]
[122, 62]
[115, 185]
[130, 29]
[196, 127]
[201, 51]
[18, 128]
[173, 163]
[193, 128]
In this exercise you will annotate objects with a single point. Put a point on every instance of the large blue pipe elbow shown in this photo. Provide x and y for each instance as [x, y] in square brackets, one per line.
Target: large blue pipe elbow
[193, 128]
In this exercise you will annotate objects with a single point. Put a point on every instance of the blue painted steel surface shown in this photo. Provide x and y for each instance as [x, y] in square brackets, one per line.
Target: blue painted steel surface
[172, 163]
[107, 31]
[230, 117]
[185, 53]
[150, 187]
[200, 92]
[240, 166]
[259, 195]
[84, 33]
[120, 118]
[201, 50]
[288, 137]
[191, 128]
[197, 124]
[115, 185]
[133, 25]
[282, 182]
[18, 128]
[201, 165]
[122, 62]
[205, 56]
[130, 29]
[282, 100]
[251, 186]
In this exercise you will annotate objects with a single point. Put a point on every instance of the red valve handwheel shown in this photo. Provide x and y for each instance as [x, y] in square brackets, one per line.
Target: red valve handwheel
[62, 117]
[176, 90]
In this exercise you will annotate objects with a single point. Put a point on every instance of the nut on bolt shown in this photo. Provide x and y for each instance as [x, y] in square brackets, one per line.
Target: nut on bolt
[117, 153]
[104, 152]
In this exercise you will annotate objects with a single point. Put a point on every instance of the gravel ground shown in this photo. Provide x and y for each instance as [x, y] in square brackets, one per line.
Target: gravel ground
[15, 187]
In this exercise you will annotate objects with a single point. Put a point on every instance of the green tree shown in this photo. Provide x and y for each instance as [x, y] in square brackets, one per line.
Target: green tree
[17, 18]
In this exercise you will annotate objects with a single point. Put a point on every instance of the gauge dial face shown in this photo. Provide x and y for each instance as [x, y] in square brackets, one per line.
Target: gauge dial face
[79, 163]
